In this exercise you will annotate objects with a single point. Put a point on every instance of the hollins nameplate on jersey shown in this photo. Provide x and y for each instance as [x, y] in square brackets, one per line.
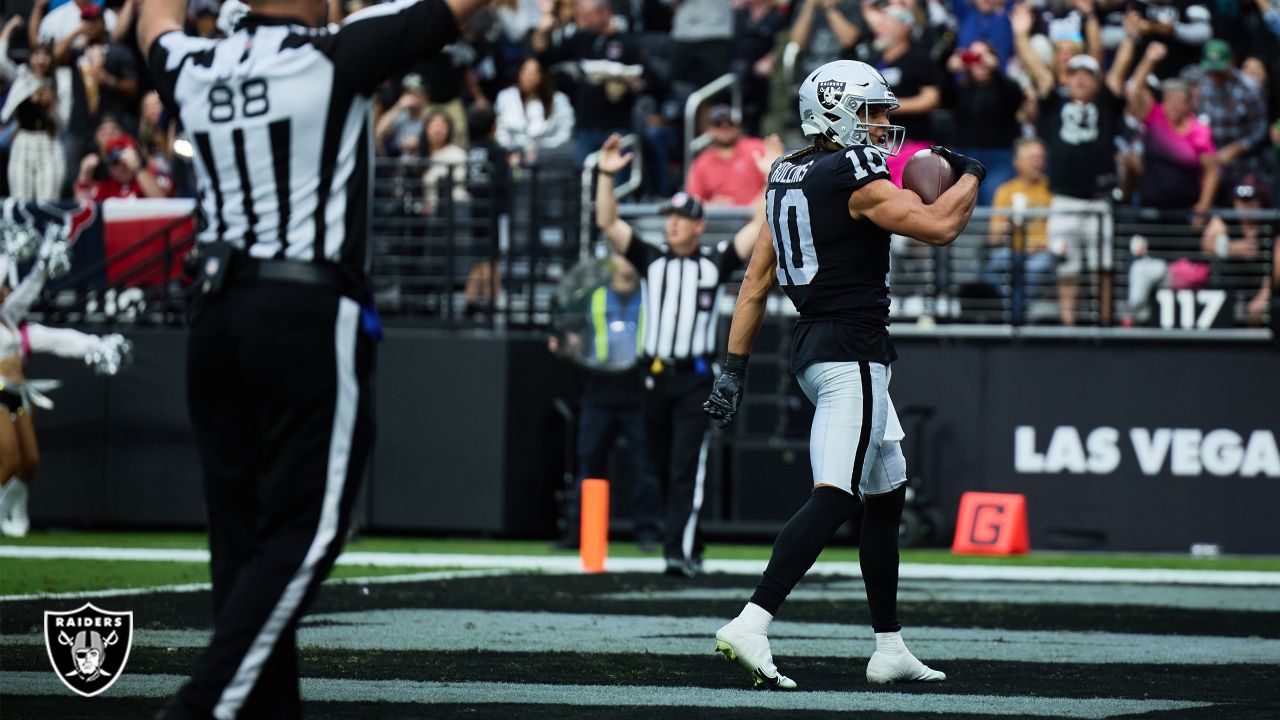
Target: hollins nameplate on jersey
[785, 172]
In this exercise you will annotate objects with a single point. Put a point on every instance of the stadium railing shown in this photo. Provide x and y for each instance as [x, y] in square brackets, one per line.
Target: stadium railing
[456, 249]
[150, 289]
[964, 289]
[461, 250]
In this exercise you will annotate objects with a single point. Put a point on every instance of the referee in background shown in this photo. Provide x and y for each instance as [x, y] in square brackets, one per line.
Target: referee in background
[280, 353]
[682, 291]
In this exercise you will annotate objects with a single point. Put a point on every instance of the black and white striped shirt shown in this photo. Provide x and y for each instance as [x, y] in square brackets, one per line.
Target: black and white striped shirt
[280, 116]
[682, 294]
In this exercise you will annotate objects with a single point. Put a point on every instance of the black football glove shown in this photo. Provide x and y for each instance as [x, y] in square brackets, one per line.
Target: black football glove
[727, 393]
[961, 163]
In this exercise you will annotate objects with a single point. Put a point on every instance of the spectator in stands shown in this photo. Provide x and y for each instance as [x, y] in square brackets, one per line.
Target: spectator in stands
[533, 117]
[400, 127]
[825, 30]
[610, 64]
[1019, 241]
[155, 134]
[63, 22]
[127, 174]
[108, 70]
[726, 173]
[1265, 302]
[445, 159]
[1250, 196]
[40, 105]
[986, 113]
[106, 131]
[1236, 110]
[1179, 163]
[915, 78]
[1242, 248]
[701, 43]
[984, 21]
[756, 25]
[450, 81]
[1067, 36]
[104, 82]
[1183, 27]
[1079, 122]
[1255, 68]
[206, 25]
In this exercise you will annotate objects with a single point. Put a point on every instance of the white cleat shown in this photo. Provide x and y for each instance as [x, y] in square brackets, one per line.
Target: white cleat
[751, 651]
[902, 666]
[14, 521]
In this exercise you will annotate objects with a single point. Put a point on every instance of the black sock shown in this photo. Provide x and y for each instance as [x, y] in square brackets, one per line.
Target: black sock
[800, 542]
[878, 556]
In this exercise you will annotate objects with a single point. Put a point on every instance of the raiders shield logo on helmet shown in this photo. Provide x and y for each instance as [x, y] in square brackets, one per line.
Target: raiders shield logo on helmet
[830, 92]
[88, 647]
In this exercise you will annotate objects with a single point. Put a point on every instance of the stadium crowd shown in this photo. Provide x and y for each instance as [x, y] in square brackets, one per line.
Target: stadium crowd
[1135, 103]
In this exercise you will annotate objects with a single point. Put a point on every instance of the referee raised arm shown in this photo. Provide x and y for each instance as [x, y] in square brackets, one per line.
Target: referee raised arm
[682, 288]
[280, 353]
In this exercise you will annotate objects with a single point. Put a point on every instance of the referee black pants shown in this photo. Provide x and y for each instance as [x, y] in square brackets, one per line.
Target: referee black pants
[676, 429]
[278, 383]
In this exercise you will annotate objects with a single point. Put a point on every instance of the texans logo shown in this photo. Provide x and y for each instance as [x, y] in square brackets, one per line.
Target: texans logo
[73, 220]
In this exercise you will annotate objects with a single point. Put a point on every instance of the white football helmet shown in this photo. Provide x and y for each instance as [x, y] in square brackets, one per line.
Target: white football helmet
[835, 102]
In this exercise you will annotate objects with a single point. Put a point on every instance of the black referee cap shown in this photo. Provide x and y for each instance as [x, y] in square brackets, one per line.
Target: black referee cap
[685, 205]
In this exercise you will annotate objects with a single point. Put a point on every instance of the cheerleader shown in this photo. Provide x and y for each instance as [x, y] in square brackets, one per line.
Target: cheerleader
[19, 452]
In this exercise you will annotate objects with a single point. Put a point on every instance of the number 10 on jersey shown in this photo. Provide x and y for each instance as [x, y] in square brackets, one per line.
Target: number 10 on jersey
[788, 215]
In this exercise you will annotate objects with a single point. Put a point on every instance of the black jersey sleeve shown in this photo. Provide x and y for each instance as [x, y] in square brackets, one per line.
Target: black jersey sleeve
[857, 167]
[375, 43]
[167, 56]
[640, 253]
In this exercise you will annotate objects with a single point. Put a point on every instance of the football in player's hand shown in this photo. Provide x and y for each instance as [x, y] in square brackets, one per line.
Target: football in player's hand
[928, 175]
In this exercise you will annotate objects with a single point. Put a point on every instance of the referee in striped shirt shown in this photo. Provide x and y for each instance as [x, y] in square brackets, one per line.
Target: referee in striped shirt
[682, 283]
[280, 353]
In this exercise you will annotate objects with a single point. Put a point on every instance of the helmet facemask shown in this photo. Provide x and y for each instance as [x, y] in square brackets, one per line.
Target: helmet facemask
[894, 135]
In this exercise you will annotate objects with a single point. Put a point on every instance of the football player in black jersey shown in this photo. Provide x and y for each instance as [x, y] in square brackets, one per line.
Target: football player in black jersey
[831, 208]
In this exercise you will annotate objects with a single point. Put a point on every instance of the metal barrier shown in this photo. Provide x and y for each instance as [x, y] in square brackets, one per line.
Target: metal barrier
[455, 247]
[462, 247]
[728, 81]
[123, 298]
[1004, 271]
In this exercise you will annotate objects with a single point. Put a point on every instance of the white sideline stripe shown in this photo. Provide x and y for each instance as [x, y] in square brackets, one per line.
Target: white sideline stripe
[426, 631]
[477, 693]
[571, 564]
[197, 587]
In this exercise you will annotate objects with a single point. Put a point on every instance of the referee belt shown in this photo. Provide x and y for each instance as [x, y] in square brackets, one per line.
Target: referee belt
[249, 269]
[684, 366]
